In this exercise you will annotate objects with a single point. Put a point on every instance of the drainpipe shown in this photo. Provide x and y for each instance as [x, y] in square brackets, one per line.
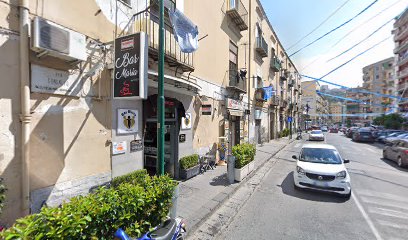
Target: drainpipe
[25, 116]
[249, 65]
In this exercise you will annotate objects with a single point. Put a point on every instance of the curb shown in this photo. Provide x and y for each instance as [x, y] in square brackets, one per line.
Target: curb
[229, 194]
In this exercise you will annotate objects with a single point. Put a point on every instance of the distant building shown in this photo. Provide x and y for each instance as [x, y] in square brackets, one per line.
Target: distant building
[318, 105]
[401, 57]
[324, 88]
[336, 111]
[357, 107]
[379, 78]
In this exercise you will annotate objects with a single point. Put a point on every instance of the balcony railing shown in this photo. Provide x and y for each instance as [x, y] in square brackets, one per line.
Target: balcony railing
[285, 75]
[261, 46]
[276, 64]
[400, 34]
[403, 73]
[291, 82]
[283, 103]
[236, 83]
[238, 14]
[401, 46]
[401, 86]
[275, 101]
[145, 22]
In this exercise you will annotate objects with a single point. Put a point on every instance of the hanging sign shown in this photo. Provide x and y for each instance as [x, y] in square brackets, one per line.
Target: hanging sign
[136, 145]
[127, 121]
[206, 109]
[130, 77]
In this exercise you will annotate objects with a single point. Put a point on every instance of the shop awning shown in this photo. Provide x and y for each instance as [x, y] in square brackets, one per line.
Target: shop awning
[175, 84]
[237, 113]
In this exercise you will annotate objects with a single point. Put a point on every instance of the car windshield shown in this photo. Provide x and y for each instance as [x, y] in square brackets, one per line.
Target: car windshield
[316, 132]
[320, 155]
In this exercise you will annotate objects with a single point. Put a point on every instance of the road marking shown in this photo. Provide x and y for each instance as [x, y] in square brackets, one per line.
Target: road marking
[393, 225]
[388, 212]
[371, 150]
[382, 203]
[366, 217]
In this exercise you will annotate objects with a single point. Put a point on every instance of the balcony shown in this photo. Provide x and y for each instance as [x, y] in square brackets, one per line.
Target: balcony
[291, 83]
[238, 14]
[261, 47]
[403, 73]
[276, 64]
[401, 34]
[283, 103]
[284, 75]
[401, 86]
[275, 101]
[403, 59]
[401, 46]
[236, 83]
[147, 22]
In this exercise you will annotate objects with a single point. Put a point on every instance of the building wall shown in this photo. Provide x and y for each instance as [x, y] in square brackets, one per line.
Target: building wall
[401, 58]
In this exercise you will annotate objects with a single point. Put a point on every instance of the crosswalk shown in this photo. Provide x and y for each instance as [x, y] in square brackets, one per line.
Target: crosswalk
[388, 213]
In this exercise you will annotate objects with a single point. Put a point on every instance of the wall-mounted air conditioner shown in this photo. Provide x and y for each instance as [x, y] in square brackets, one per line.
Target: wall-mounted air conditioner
[58, 41]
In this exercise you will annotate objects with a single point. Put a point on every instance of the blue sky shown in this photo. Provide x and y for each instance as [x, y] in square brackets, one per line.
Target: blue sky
[292, 19]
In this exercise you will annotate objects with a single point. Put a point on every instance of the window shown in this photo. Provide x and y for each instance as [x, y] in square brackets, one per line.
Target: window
[154, 13]
[233, 60]
[127, 2]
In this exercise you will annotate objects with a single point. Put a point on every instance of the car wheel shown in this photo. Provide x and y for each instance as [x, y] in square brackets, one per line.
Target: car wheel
[296, 187]
[399, 162]
[347, 196]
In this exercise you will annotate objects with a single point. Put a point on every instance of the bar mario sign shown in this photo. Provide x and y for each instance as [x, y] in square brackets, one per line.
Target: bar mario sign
[130, 77]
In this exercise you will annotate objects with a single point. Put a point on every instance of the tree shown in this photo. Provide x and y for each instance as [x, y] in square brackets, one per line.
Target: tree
[391, 121]
[348, 123]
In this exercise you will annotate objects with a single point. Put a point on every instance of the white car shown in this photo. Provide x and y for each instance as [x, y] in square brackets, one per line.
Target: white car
[316, 135]
[320, 167]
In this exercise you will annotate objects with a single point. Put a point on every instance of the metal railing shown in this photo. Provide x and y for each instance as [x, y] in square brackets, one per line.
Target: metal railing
[145, 21]
[238, 13]
[235, 81]
[276, 64]
[261, 46]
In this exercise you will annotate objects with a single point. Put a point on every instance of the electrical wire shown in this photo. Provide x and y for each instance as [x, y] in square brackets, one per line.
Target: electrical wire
[336, 28]
[317, 27]
[363, 23]
[355, 45]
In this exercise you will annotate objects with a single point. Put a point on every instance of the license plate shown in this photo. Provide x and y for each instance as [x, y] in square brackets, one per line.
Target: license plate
[320, 184]
[365, 136]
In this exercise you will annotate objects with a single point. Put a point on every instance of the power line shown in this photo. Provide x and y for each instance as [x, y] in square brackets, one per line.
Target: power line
[334, 29]
[354, 100]
[368, 20]
[355, 45]
[324, 21]
[345, 63]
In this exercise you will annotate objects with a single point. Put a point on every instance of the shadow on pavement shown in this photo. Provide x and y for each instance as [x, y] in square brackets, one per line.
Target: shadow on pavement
[311, 195]
[221, 180]
[393, 164]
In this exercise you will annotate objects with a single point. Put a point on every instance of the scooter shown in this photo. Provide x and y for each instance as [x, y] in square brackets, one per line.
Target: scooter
[171, 229]
[299, 136]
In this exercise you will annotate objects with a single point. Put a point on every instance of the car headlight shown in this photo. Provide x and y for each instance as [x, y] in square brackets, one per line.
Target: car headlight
[341, 174]
[300, 170]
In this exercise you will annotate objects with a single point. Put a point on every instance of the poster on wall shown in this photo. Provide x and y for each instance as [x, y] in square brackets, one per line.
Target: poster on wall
[119, 147]
[130, 77]
[186, 122]
[127, 121]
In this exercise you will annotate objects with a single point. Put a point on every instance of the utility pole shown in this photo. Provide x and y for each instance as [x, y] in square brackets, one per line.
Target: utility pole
[160, 95]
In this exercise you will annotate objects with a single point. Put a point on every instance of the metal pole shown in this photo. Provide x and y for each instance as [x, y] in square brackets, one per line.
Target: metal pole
[160, 96]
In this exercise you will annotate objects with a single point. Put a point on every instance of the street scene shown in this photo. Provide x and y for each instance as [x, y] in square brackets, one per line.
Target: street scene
[186, 119]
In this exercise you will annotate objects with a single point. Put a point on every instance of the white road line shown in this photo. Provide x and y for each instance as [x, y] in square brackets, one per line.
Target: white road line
[388, 212]
[382, 203]
[366, 217]
[393, 225]
[371, 150]
[388, 196]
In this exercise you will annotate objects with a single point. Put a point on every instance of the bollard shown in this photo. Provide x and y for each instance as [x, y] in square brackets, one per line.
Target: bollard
[230, 169]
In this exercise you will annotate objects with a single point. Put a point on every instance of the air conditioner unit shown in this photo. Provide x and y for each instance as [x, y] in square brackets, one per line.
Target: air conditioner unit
[58, 41]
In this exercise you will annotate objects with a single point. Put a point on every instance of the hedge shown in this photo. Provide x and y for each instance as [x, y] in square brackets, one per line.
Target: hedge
[244, 153]
[189, 161]
[133, 205]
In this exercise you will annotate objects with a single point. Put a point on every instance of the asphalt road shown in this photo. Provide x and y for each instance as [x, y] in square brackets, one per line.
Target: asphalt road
[378, 208]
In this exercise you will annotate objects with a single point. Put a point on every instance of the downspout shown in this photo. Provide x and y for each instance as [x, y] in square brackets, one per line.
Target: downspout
[25, 116]
[249, 65]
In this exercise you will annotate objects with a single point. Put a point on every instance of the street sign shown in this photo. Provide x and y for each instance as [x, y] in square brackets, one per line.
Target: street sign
[289, 119]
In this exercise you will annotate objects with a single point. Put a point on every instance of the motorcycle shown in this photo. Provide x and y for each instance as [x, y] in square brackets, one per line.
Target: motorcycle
[171, 229]
[299, 136]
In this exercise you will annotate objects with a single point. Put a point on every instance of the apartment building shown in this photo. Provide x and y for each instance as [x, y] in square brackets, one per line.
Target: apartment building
[336, 110]
[68, 127]
[379, 78]
[317, 105]
[400, 32]
[356, 110]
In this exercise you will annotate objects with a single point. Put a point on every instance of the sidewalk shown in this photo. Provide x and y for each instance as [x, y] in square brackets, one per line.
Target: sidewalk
[203, 194]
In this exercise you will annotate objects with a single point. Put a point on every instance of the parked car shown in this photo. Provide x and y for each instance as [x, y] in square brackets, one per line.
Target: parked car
[363, 135]
[397, 151]
[320, 167]
[316, 135]
[380, 136]
[333, 130]
[351, 131]
[324, 128]
[398, 136]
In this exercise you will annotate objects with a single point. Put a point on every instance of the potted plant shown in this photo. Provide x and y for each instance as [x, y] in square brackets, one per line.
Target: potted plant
[189, 166]
[244, 156]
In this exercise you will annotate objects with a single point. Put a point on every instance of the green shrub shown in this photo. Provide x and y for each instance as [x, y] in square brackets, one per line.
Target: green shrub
[135, 207]
[189, 161]
[2, 194]
[244, 153]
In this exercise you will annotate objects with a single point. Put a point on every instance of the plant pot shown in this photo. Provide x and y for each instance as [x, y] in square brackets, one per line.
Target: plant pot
[241, 173]
[189, 173]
